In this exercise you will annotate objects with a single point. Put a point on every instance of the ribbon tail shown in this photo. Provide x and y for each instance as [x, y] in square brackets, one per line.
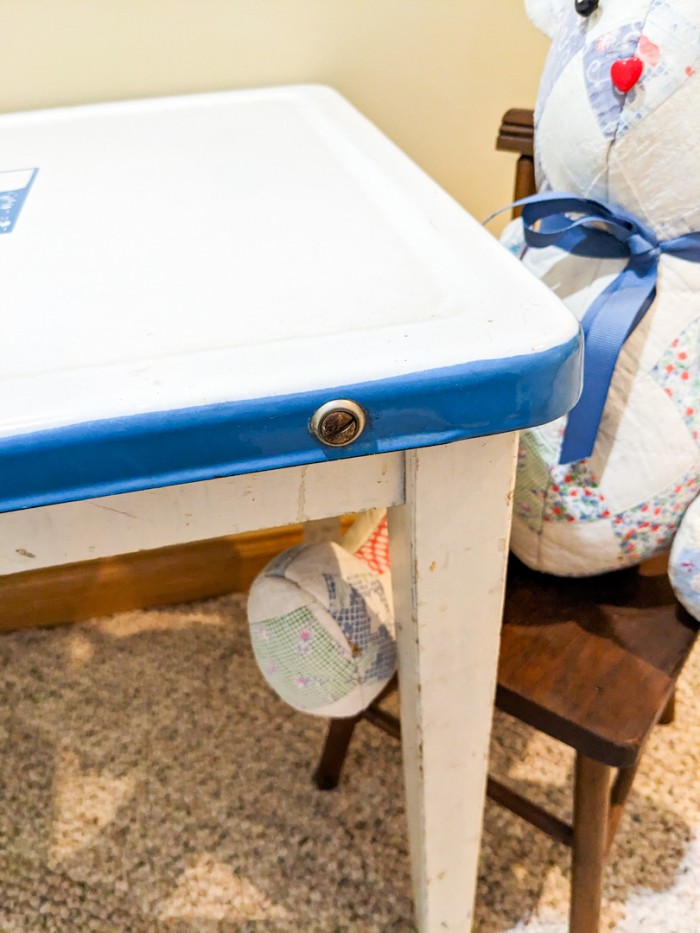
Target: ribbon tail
[625, 300]
[684, 247]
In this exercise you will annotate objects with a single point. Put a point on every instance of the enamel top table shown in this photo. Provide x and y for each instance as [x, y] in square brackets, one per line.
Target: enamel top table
[185, 282]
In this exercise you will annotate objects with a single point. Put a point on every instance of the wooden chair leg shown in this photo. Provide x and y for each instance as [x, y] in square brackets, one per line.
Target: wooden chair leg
[669, 714]
[619, 792]
[524, 181]
[591, 805]
[327, 774]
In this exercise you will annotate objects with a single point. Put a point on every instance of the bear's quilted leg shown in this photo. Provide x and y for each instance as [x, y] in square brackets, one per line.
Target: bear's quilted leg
[684, 563]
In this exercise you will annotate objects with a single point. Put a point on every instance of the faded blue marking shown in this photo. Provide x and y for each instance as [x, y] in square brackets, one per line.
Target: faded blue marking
[14, 188]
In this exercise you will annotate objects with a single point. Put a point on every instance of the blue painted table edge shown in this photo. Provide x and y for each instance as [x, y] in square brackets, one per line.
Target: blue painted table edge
[145, 451]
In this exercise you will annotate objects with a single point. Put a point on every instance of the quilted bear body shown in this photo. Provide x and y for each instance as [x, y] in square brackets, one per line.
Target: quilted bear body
[638, 149]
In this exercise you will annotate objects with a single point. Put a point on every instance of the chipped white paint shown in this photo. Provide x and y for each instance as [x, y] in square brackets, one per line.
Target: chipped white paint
[75, 531]
[448, 568]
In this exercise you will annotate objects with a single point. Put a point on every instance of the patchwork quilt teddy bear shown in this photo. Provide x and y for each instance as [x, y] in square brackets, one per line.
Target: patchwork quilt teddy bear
[615, 232]
[618, 121]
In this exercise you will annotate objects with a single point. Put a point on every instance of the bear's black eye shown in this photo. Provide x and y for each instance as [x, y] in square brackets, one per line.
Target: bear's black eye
[586, 7]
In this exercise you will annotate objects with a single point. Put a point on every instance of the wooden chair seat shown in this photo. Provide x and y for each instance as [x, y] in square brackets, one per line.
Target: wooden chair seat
[592, 662]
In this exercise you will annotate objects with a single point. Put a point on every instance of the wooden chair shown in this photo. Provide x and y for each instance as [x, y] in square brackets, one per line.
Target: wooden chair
[517, 134]
[591, 662]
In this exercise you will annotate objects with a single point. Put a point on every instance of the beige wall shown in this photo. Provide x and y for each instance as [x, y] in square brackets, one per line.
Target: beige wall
[436, 75]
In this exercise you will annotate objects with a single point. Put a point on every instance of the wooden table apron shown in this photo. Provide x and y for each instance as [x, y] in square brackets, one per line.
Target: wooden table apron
[184, 282]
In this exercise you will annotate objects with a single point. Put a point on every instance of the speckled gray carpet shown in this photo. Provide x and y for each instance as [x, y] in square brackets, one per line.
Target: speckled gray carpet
[151, 782]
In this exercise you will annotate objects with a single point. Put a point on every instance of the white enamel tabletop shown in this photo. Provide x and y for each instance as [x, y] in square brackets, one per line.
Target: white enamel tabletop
[182, 253]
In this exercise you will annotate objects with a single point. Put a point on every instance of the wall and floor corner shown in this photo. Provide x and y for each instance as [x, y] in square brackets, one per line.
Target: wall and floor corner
[435, 77]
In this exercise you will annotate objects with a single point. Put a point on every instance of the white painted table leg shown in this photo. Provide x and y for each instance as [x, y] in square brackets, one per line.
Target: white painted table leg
[449, 546]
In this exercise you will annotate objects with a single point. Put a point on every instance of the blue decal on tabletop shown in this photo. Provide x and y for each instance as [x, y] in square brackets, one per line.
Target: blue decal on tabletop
[14, 188]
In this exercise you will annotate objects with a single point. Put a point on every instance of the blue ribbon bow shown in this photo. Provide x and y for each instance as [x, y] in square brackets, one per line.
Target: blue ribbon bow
[602, 231]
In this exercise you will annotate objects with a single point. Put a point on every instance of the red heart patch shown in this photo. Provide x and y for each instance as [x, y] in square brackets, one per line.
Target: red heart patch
[625, 73]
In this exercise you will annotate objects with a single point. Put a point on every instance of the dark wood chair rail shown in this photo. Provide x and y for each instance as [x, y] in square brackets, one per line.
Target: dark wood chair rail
[517, 135]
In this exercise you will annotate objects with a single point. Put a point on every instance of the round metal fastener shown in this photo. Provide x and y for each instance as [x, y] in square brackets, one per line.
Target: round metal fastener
[338, 423]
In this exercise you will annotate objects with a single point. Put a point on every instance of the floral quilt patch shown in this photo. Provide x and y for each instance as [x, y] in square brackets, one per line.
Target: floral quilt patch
[678, 374]
[296, 653]
[573, 495]
[649, 528]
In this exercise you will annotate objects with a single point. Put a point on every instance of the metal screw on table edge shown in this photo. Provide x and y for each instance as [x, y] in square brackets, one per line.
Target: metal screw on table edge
[338, 423]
